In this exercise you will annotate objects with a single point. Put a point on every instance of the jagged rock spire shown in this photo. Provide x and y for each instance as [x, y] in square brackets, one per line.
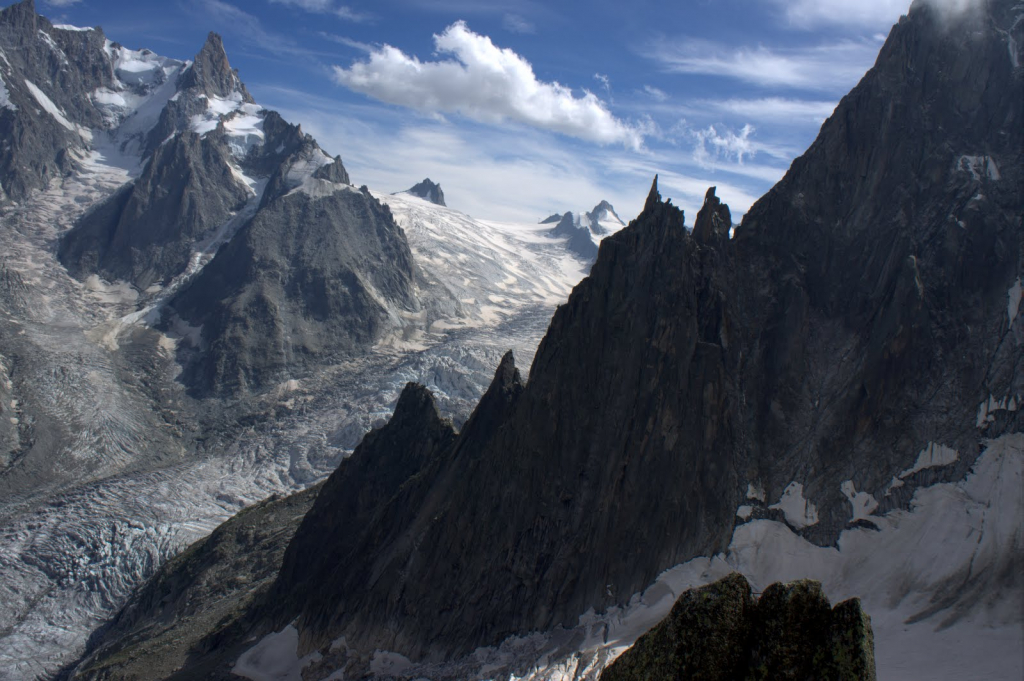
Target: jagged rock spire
[714, 219]
[653, 197]
[211, 71]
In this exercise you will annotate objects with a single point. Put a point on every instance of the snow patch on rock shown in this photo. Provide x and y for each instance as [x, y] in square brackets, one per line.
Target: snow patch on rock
[799, 511]
[863, 504]
[933, 456]
[5, 97]
[756, 491]
[987, 409]
[275, 658]
[48, 106]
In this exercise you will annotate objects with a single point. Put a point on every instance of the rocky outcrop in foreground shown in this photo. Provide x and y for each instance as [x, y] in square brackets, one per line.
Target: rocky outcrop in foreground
[719, 632]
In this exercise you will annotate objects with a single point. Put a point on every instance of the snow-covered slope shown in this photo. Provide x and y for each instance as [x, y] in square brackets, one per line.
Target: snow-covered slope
[479, 274]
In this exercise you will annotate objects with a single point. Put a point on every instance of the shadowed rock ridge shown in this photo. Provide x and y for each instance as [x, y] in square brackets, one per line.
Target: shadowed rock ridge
[850, 321]
[719, 632]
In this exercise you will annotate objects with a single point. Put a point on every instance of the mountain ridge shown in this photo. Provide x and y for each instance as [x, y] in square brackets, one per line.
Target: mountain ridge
[668, 432]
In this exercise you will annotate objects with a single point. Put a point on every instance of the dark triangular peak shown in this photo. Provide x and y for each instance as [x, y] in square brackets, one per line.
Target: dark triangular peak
[209, 76]
[384, 466]
[551, 219]
[495, 405]
[212, 73]
[577, 237]
[428, 190]
[713, 220]
[653, 196]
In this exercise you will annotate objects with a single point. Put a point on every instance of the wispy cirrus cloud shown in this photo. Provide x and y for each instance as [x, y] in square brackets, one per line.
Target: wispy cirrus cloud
[517, 24]
[657, 94]
[255, 39]
[485, 83]
[774, 109]
[832, 67]
[327, 7]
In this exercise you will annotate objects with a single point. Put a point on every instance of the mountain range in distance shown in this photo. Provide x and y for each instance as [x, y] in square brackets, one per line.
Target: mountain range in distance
[201, 316]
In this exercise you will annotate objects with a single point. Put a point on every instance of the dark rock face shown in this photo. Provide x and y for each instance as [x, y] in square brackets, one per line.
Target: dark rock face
[35, 144]
[850, 322]
[719, 632]
[505, 526]
[301, 283]
[429, 191]
[380, 481]
[713, 221]
[145, 232]
[859, 313]
[552, 219]
[874, 310]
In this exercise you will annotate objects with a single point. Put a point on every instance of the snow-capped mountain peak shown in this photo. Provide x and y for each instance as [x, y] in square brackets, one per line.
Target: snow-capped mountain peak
[585, 230]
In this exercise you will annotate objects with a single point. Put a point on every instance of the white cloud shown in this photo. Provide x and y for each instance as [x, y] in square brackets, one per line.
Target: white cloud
[517, 24]
[510, 175]
[726, 144]
[657, 94]
[347, 42]
[485, 83]
[326, 7]
[62, 3]
[830, 67]
[861, 13]
[774, 109]
[603, 80]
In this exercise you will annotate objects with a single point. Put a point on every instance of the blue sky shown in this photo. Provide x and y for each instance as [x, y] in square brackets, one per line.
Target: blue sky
[521, 108]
